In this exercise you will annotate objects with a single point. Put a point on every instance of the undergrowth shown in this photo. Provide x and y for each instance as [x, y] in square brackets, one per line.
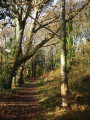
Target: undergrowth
[79, 95]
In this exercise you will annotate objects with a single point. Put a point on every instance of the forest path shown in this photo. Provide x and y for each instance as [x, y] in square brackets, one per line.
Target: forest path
[22, 106]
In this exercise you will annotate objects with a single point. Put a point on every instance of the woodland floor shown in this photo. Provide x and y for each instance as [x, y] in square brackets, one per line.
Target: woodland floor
[40, 99]
[21, 106]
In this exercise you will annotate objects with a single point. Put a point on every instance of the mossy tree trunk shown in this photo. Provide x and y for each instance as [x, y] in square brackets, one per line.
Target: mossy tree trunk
[12, 63]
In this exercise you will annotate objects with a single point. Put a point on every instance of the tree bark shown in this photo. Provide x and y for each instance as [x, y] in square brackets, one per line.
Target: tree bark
[21, 79]
[64, 80]
[33, 67]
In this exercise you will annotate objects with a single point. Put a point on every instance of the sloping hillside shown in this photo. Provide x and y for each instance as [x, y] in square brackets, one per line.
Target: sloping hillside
[79, 94]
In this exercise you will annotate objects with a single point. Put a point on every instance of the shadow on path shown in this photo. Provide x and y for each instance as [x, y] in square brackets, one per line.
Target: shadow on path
[23, 106]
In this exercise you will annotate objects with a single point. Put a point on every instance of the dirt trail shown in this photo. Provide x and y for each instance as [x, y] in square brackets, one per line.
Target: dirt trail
[23, 106]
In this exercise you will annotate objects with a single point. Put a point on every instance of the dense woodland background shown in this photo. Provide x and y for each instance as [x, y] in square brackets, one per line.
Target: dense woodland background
[30, 47]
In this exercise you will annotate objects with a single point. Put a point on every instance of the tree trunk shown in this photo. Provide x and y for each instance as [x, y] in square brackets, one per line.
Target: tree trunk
[52, 58]
[33, 67]
[21, 81]
[64, 80]
[11, 68]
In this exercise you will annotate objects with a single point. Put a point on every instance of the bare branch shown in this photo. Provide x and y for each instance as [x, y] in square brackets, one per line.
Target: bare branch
[26, 57]
[45, 24]
[40, 24]
[51, 44]
[77, 11]
[6, 50]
